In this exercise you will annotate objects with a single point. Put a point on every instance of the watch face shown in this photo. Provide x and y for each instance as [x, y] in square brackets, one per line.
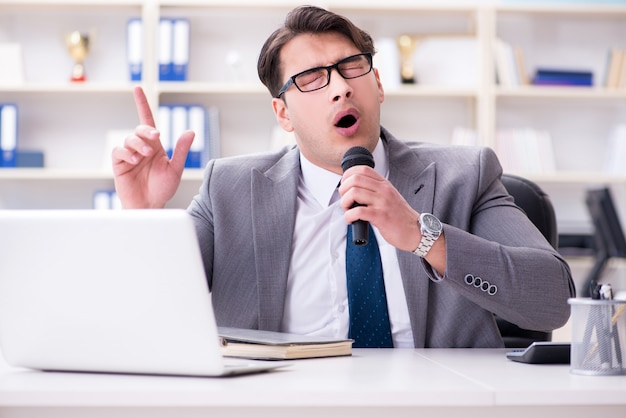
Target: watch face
[431, 222]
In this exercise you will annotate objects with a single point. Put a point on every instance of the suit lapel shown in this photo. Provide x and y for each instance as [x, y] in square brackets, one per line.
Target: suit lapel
[415, 180]
[273, 218]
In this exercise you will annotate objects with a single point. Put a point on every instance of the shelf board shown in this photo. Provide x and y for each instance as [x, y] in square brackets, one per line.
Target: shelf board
[196, 174]
[188, 87]
[586, 10]
[69, 88]
[417, 90]
[66, 3]
[52, 174]
[576, 178]
[423, 90]
[559, 92]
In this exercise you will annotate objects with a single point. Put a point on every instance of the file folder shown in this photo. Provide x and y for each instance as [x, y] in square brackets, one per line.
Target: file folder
[165, 49]
[8, 134]
[134, 48]
[179, 123]
[197, 123]
[164, 125]
[180, 49]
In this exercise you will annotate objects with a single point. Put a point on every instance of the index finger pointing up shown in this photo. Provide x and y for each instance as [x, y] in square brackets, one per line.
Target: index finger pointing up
[143, 108]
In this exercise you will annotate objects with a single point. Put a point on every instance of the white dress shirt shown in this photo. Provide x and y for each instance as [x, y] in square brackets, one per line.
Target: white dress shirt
[317, 298]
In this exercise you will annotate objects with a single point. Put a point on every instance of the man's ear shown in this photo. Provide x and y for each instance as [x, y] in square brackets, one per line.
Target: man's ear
[381, 91]
[282, 114]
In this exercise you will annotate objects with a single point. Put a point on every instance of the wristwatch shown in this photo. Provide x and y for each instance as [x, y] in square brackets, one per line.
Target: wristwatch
[430, 228]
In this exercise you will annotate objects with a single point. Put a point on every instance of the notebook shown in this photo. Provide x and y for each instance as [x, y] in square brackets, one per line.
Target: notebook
[112, 291]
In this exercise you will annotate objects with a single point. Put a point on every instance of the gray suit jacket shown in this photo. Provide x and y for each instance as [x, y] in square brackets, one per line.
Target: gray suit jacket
[245, 215]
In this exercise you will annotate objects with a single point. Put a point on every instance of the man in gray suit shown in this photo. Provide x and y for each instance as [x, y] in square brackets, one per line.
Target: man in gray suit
[272, 227]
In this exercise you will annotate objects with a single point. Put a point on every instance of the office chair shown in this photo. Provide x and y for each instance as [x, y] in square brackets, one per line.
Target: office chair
[538, 207]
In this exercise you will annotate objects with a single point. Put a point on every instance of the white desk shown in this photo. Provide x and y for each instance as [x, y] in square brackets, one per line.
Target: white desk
[371, 383]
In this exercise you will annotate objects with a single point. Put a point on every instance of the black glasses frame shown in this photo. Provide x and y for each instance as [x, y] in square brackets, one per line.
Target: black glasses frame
[292, 79]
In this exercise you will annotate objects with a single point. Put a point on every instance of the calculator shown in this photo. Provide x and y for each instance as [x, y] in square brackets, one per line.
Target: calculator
[542, 352]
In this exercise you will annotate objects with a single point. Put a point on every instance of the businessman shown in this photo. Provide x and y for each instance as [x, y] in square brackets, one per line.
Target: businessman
[272, 228]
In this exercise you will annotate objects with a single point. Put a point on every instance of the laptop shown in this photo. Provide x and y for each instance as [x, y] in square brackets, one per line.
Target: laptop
[111, 291]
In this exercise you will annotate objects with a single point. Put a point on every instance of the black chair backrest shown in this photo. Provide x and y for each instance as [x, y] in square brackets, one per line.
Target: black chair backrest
[536, 203]
[538, 207]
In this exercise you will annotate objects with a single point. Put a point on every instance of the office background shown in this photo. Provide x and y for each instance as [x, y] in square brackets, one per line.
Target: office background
[475, 82]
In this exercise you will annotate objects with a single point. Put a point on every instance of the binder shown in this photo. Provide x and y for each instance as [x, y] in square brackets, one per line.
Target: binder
[134, 48]
[174, 119]
[180, 49]
[212, 148]
[197, 123]
[165, 49]
[8, 134]
[164, 125]
[102, 199]
[106, 200]
[179, 123]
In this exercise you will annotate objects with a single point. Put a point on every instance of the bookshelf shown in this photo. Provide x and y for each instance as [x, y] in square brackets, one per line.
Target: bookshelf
[70, 122]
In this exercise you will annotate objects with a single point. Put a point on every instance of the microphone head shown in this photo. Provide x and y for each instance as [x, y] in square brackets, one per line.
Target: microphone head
[357, 156]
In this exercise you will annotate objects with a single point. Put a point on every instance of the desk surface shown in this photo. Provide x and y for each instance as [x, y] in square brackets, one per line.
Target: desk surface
[436, 382]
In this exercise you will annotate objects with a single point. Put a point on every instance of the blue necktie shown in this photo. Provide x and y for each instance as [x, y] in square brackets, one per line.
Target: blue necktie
[369, 318]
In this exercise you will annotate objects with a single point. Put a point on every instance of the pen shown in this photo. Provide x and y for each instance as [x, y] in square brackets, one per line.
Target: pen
[606, 293]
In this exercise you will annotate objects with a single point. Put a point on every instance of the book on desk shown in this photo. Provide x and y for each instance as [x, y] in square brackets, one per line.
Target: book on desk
[270, 345]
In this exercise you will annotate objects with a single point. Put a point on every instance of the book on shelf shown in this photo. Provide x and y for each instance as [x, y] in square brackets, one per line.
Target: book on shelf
[447, 60]
[621, 81]
[464, 137]
[521, 66]
[271, 345]
[525, 151]
[12, 68]
[509, 64]
[616, 151]
[562, 77]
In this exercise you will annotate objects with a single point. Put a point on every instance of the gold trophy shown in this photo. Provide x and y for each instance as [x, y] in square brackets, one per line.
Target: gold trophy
[406, 45]
[78, 47]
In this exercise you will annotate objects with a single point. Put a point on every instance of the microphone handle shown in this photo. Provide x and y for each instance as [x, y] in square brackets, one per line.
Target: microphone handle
[360, 232]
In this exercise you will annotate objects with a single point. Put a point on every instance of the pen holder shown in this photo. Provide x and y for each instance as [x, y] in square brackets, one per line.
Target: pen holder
[598, 337]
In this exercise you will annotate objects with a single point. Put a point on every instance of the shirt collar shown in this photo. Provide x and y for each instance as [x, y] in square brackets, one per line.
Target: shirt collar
[323, 183]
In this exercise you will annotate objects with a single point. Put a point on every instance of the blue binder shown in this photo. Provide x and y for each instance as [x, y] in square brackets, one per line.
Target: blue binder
[134, 48]
[165, 49]
[180, 49]
[8, 134]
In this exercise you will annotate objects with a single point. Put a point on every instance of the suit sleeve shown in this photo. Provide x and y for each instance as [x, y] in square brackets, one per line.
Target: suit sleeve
[497, 258]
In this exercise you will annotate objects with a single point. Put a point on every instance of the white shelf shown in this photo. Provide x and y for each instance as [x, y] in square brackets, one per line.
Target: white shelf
[53, 175]
[545, 92]
[71, 121]
[69, 88]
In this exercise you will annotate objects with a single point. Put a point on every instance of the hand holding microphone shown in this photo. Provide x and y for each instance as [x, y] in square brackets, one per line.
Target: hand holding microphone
[358, 156]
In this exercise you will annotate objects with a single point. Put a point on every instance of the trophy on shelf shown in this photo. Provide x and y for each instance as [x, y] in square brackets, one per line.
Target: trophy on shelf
[78, 47]
[406, 46]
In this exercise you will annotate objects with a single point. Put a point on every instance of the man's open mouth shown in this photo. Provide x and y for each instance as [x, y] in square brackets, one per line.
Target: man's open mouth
[346, 121]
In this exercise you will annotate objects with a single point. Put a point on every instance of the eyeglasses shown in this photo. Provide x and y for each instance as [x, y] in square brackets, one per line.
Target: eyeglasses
[317, 78]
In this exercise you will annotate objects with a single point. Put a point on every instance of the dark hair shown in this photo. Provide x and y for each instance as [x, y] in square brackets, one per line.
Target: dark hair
[305, 19]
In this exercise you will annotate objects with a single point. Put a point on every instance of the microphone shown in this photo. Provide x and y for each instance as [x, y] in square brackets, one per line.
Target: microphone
[358, 156]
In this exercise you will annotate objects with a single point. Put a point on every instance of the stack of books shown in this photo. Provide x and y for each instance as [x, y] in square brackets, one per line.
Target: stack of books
[525, 150]
[562, 77]
[509, 64]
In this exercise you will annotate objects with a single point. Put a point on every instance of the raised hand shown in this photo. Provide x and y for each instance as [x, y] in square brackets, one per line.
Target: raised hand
[145, 177]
